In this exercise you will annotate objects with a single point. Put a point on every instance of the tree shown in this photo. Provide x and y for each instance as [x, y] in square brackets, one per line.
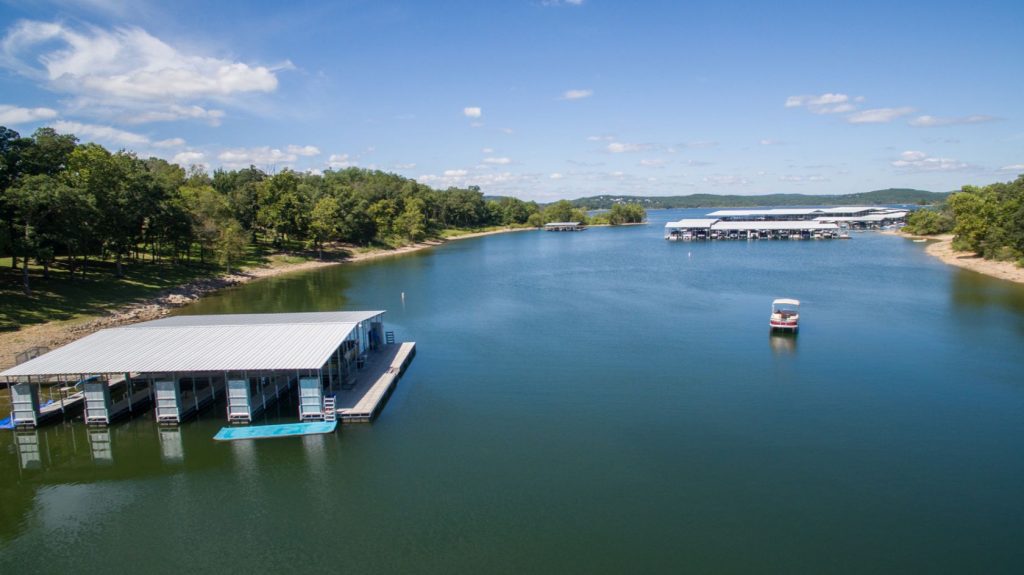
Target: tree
[323, 223]
[231, 243]
[412, 223]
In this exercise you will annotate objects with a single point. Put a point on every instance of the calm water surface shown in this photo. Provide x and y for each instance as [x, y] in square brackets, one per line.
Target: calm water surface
[590, 402]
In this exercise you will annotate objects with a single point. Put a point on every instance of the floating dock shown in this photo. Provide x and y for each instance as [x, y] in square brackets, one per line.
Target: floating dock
[268, 431]
[374, 383]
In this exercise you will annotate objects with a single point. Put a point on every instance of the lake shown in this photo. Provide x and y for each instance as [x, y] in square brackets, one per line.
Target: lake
[602, 401]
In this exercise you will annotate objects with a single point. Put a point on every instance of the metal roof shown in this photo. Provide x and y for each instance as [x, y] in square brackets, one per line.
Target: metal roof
[202, 343]
[692, 223]
[774, 225]
[867, 218]
[799, 211]
[563, 224]
[263, 318]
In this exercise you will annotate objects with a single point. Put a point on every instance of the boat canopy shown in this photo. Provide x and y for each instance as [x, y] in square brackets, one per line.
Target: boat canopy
[784, 301]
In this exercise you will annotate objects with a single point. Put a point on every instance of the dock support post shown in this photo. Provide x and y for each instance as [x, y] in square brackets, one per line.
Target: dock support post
[128, 384]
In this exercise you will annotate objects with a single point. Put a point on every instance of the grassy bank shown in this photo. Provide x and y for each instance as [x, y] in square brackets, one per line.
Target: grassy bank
[57, 297]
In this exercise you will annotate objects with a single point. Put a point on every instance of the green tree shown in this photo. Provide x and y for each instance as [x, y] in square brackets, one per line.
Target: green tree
[323, 223]
[412, 223]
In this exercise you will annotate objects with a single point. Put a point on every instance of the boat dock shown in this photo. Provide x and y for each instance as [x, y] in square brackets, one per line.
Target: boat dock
[342, 363]
[363, 400]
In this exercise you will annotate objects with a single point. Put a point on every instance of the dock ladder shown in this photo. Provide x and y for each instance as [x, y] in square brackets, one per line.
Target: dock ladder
[330, 408]
[389, 337]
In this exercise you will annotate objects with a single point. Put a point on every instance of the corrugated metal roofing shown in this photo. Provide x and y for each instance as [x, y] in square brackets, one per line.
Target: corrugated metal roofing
[779, 212]
[692, 223]
[263, 318]
[774, 225]
[202, 343]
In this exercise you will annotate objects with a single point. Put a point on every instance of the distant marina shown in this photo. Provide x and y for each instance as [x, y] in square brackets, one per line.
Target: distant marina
[784, 223]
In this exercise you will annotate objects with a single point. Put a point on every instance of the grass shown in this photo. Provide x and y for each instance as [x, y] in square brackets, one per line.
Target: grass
[59, 298]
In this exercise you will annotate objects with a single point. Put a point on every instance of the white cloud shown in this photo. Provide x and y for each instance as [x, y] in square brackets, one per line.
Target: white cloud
[105, 134]
[260, 156]
[472, 112]
[128, 69]
[577, 94]
[930, 121]
[725, 180]
[499, 161]
[797, 179]
[307, 151]
[621, 147]
[11, 115]
[603, 138]
[556, 176]
[173, 113]
[878, 115]
[914, 160]
[170, 143]
[487, 150]
[455, 173]
[338, 161]
[1013, 168]
[828, 103]
[190, 158]
[769, 142]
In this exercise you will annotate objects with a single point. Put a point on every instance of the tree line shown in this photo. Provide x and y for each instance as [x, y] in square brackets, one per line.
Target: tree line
[78, 202]
[986, 220]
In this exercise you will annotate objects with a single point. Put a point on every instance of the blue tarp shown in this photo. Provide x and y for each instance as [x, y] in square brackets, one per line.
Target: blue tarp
[266, 431]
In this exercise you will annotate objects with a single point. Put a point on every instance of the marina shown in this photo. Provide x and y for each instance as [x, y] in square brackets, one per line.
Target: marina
[783, 223]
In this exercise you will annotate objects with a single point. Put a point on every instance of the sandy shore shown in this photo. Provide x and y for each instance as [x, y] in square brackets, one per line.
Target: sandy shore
[941, 246]
[57, 333]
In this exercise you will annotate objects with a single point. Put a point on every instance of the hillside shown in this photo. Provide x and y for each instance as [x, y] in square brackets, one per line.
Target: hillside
[889, 196]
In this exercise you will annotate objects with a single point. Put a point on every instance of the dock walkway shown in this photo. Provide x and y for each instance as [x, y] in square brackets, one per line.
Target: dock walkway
[374, 382]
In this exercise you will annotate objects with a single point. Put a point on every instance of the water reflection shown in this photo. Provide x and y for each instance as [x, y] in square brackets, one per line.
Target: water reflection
[171, 448]
[782, 343]
[975, 295]
[101, 445]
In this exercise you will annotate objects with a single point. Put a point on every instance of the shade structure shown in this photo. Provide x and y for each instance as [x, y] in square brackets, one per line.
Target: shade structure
[203, 344]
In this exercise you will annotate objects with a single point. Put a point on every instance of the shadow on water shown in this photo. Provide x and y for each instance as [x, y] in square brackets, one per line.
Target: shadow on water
[69, 453]
[977, 295]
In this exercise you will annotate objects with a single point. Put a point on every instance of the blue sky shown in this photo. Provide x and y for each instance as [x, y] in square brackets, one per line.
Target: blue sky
[538, 99]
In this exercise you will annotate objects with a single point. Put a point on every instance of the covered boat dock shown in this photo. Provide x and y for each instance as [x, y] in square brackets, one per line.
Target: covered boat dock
[713, 229]
[182, 364]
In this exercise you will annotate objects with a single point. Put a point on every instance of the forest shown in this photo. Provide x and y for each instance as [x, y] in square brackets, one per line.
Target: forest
[987, 220]
[72, 203]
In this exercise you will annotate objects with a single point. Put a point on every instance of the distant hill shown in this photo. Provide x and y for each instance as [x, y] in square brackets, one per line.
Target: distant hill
[890, 196]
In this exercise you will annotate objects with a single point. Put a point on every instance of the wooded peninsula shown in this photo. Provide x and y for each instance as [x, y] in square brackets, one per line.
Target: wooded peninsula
[69, 205]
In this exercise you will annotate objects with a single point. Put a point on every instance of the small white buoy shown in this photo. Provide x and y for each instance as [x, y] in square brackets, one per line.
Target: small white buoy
[689, 254]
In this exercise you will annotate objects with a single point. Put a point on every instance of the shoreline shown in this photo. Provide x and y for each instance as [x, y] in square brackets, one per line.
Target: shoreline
[54, 334]
[941, 247]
